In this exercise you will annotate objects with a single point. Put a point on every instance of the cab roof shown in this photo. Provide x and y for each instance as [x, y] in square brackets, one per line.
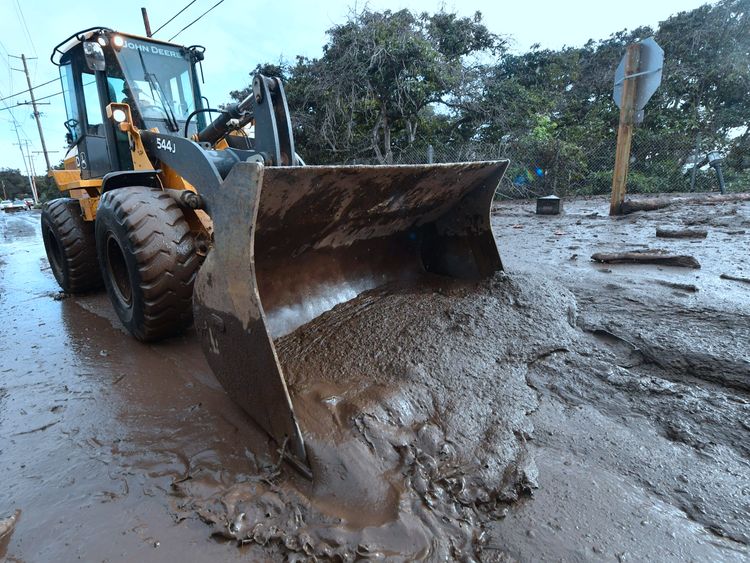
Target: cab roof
[84, 35]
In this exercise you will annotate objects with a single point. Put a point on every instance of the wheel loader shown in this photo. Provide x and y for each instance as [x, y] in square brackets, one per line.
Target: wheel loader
[191, 216]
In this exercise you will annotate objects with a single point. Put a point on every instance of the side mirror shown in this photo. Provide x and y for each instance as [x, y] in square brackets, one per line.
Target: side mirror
[94, 55]
[72, 135]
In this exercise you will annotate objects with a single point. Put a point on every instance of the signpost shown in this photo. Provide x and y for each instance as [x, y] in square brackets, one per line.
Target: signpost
[637, 77]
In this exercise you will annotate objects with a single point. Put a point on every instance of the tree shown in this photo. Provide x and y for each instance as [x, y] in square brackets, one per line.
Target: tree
[379, 74]
[389, 83]
[14, 185]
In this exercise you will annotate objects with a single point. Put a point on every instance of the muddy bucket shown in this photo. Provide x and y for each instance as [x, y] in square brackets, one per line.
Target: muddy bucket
[293, 242]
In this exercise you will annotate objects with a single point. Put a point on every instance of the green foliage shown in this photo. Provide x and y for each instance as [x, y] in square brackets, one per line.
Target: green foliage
[46, 189]
[390, 83]
[13, 184]
[380, 72]
[16, 186]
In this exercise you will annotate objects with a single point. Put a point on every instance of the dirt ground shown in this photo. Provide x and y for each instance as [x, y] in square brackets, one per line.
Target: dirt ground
[563, 410]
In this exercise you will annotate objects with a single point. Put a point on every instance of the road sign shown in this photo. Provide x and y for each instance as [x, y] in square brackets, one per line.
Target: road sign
[648, 76]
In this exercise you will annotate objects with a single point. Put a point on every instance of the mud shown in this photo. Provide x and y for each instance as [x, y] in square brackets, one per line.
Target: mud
[415, 406]
[641, 434]
[562, 410]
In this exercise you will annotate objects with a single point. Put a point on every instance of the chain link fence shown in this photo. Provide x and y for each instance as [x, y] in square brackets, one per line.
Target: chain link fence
[658, 164]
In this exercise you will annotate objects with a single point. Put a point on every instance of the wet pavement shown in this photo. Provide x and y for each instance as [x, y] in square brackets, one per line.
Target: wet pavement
[610, 403]
[90, 438]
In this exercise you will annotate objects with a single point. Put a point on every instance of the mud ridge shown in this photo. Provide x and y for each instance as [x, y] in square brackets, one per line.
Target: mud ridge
[414, 405]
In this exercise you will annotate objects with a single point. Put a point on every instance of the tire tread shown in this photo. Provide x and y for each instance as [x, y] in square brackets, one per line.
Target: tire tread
[162, 245]
[80, 268]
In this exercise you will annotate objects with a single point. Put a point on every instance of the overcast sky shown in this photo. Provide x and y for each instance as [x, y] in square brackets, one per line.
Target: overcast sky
[239, 34]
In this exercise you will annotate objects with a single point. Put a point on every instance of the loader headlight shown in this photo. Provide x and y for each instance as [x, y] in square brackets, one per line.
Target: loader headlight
[119, 115]
[94, 56]
[118, 41]
[102, 41]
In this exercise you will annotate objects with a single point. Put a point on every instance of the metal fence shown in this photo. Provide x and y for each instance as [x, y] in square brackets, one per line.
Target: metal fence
[658, 164]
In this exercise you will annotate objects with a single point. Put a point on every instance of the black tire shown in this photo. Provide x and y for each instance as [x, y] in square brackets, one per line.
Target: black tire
[70, 245]
[148, 261]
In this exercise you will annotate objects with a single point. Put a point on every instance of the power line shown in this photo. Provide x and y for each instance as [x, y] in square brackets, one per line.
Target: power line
[10, 108]
[38, 99]
[36, 111]
[50, 96]
[173, 17]
[29, 89]
[26, 27]
[5, 55]
[196, 19]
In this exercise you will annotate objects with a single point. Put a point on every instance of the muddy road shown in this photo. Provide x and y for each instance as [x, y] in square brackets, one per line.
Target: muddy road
[565, 410]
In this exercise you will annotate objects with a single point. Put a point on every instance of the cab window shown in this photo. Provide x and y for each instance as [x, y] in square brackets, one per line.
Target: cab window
[73, 124]
[94, 122]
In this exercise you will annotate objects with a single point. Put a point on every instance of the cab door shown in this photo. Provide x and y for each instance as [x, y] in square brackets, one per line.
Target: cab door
[88, 129]
[95, 154]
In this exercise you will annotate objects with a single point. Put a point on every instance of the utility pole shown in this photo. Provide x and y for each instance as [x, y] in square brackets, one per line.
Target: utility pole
[625, 129]
[146, 23]
[36, 111]
[34, 189]
[29, 171]
[5, 193]
[32, 183]
[29, 164]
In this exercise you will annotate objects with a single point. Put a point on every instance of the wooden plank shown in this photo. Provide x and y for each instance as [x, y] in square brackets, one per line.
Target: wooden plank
[625, 129]
[637, 257]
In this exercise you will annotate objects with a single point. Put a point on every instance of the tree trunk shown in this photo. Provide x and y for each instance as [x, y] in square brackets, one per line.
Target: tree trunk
[387, 141]
[411, 130]
[376, 143]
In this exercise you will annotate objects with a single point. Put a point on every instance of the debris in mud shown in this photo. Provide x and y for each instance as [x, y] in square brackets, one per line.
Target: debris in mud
[689, 287]
[647, 257]
[59, 295]
[681, 233]
[621, 435]
[631, 206]
[416, 440]
[734, 278]
[652, 204]
[39, 429]
[7, 525]
[714, 199]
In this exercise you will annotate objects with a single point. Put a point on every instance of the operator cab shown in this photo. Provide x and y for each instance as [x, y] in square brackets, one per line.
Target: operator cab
[156, 79]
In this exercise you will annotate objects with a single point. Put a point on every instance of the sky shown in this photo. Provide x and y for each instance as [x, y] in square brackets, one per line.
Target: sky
[239, 34]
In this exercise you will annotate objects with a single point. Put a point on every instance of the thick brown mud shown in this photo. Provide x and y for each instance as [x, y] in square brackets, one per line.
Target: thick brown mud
[642, 429]
[414, 405]
[563, 410]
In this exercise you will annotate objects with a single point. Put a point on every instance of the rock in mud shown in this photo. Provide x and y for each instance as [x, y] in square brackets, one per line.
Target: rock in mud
[7, 525]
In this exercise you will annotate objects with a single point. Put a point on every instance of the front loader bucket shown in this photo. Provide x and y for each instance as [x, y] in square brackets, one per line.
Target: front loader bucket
[292, 242]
